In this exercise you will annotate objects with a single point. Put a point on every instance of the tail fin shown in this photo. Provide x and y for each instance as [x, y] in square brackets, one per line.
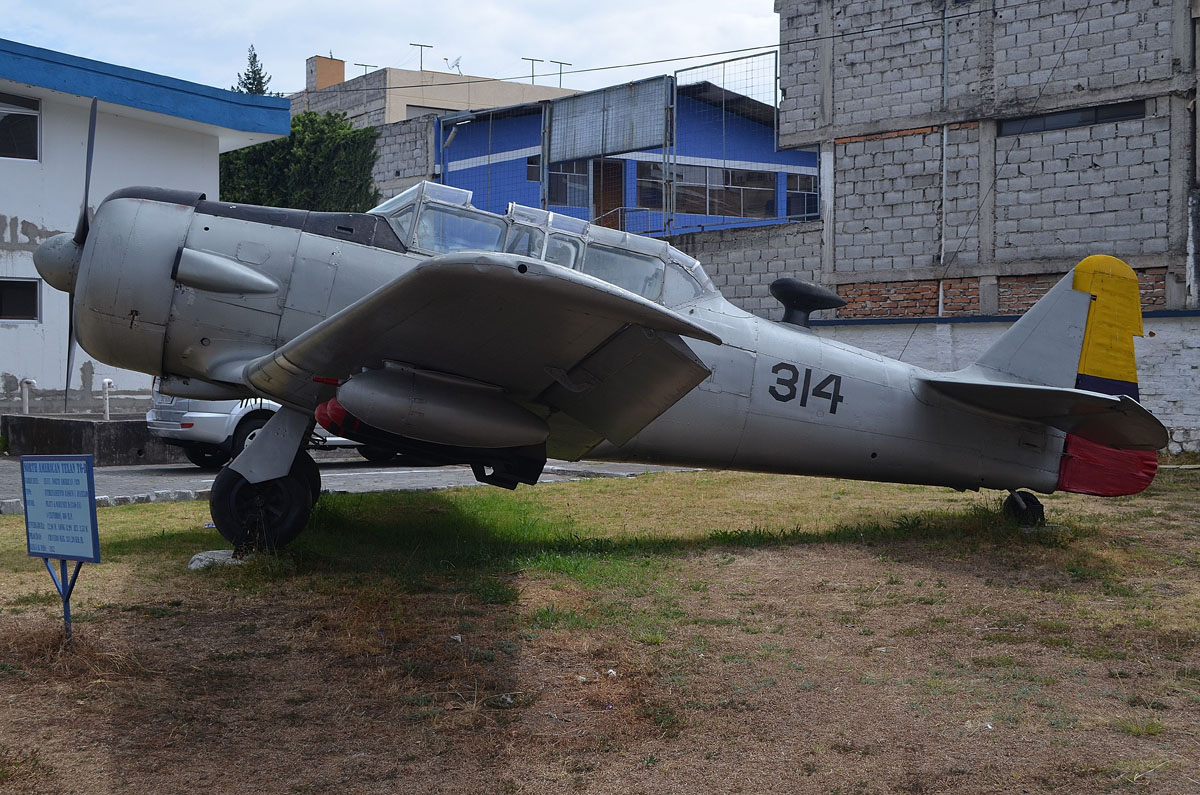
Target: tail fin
[1069, 363]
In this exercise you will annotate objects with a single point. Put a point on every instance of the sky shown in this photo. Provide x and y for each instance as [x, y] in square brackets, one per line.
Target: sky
[207, 43]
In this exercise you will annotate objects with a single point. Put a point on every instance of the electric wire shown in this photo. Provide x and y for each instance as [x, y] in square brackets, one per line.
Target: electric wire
[763, 48]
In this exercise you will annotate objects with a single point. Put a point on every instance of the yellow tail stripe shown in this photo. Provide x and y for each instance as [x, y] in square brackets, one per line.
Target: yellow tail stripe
[1114, 319]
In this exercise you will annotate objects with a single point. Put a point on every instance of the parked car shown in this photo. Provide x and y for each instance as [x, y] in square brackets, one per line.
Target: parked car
[212, 432]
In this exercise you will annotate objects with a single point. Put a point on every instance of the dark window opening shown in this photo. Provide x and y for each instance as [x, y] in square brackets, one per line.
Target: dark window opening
[18, 127]
[1082, 117]
[18, 299]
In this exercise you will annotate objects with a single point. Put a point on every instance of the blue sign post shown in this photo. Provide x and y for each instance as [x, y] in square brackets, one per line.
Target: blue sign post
[60, 518]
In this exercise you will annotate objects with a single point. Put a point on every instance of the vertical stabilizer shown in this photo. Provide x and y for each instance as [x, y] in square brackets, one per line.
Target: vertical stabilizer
[1107, 364]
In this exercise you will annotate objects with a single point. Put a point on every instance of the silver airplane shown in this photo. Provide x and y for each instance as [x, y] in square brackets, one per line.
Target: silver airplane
[456, 336]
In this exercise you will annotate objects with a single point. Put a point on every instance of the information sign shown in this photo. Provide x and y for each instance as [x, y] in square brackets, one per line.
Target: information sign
[60, 507]
[60, 518]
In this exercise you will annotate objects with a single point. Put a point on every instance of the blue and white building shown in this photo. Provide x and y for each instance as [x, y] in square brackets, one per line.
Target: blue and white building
[151, 130]
[651, 157]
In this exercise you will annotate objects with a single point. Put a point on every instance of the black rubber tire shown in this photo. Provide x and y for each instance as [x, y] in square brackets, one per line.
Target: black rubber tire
[263, 516]
[243, 431]
[307, 468]
[206, 459]
[376, 455]
[1025, 508]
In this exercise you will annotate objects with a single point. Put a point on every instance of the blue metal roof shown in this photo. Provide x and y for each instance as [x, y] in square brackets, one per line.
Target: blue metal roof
[120, 85]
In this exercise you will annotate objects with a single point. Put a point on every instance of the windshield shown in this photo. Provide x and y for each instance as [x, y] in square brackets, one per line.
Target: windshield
[445, 230]
[637, 273]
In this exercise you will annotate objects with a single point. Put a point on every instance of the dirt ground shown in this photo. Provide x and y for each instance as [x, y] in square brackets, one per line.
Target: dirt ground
[915, 661]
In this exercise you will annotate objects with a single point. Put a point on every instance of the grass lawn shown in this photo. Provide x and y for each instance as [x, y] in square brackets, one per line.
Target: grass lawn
[675, 632]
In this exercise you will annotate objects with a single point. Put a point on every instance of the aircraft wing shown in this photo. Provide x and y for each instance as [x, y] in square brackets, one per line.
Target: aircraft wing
[546, 335]
[1112, 420]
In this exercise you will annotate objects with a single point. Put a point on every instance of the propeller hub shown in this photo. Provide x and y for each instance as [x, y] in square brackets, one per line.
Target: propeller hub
[57, 260]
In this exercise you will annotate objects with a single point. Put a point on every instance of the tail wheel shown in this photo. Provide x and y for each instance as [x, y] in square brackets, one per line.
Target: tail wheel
[1025, 508]
[261, 516]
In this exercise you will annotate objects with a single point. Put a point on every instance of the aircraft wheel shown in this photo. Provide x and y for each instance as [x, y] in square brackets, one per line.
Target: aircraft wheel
[206, 459]
[1025, 508]
[376, 455]
[260, 516]
[307, 468]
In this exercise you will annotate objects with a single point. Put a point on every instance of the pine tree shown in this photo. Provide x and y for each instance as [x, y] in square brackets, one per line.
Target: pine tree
[254, 80]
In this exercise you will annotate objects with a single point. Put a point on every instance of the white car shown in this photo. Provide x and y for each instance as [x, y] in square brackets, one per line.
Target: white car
[211, 432]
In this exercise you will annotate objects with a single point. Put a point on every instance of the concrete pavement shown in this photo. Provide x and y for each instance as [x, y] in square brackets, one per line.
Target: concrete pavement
[124, 485]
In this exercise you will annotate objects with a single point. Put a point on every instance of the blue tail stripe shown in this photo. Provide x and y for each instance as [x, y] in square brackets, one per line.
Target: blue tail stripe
[1107, 386]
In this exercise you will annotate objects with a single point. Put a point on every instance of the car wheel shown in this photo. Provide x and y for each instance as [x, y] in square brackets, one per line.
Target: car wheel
[244, 433]
[376, 455]
[206, 459]
[263, 516]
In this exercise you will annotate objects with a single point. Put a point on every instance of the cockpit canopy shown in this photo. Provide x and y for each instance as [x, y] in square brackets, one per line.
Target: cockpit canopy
[439, 219]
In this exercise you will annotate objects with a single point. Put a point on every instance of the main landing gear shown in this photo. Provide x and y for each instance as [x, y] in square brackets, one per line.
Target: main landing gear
[267, 515]
[1025, 508]
[260, 501]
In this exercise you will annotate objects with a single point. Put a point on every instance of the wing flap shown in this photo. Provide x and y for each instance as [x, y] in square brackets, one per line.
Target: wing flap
[627, 382]
[1116, 421]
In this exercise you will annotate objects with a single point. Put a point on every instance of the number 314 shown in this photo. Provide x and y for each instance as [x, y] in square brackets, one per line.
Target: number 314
[785, 387]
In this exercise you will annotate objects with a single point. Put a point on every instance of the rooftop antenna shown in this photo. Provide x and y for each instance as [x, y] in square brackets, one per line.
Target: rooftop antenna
[532, 61]
[561, 64]
[421, 59]
[453, 65]
[367, 66]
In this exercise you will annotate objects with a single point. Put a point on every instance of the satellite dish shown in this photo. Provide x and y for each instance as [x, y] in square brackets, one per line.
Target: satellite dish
[453, 65]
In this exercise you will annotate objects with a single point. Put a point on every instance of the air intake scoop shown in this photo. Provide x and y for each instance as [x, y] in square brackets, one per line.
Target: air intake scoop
[801, 298]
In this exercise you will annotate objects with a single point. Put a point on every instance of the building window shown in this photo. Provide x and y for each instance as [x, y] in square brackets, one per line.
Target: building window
[18, 127]
[709, 190]
[569, 181]
[802, 197]
[568, 184]
[19, 299]
[1082, 117]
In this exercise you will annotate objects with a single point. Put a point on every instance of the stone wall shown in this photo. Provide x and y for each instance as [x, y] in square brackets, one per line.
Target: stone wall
[1065, 194]
[405, 155]
[743, 262]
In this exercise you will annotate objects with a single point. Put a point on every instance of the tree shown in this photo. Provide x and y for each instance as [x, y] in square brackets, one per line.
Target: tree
[254, 80]
[325, 164]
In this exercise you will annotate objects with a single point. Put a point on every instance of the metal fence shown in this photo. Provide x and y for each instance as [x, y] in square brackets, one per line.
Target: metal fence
[677, 153]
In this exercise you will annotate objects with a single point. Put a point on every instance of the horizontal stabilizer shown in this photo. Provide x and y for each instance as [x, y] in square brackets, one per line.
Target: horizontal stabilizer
[1115, 421]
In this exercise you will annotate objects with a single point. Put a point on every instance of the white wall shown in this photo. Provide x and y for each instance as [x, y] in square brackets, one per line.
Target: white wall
[47, 194]
[1168, 360]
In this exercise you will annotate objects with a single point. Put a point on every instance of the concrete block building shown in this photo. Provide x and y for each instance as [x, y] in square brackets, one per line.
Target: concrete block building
[972, 152]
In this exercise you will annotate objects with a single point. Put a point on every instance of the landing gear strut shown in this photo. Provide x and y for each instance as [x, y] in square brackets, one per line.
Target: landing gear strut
[1025, 508]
